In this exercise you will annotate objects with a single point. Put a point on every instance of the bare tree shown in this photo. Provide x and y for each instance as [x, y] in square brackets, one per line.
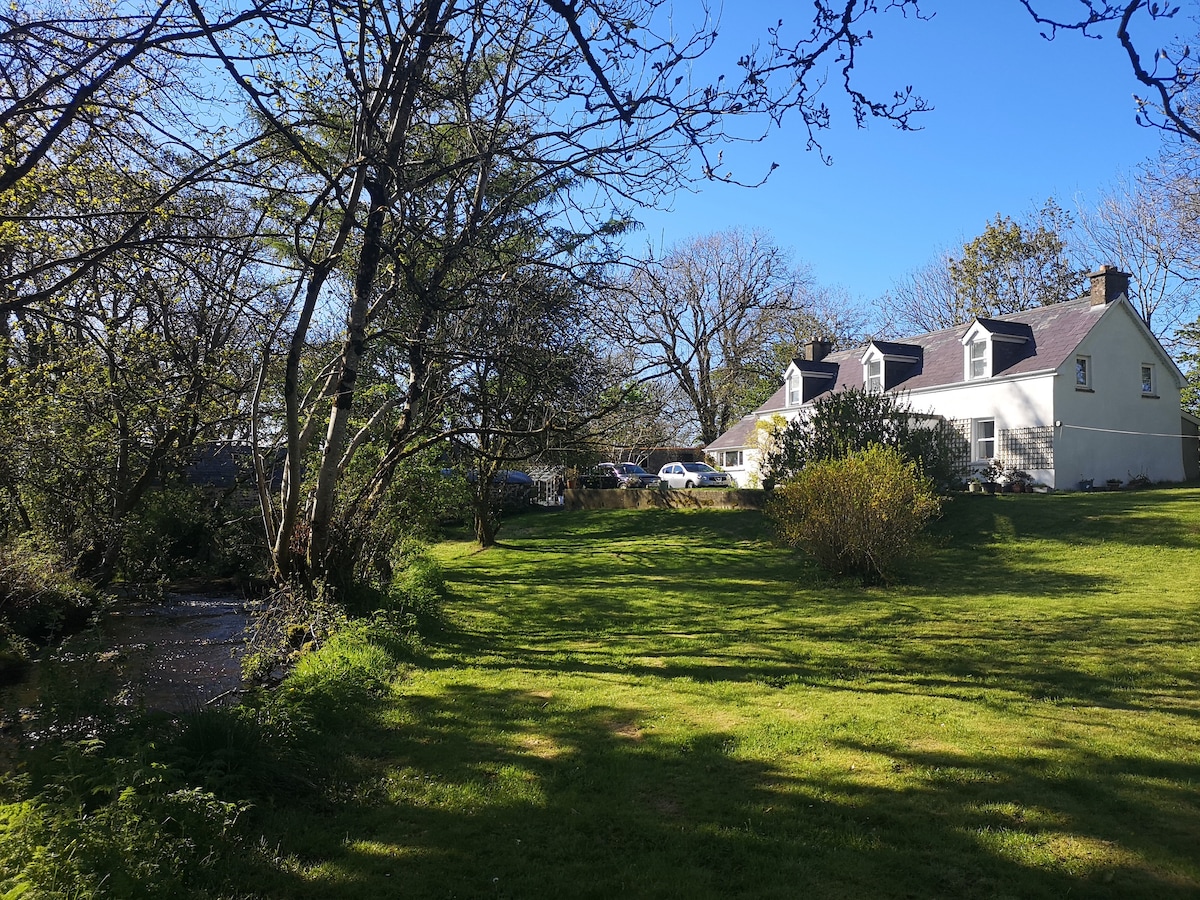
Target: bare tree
[1145, 224]
[706, 316]
[82, 80]
[924, 300]
[1167, 73]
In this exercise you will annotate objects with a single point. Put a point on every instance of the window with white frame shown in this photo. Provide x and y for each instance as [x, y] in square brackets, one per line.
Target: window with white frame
[794, 382]
[731, 458]
[977, 359]
[1083, 372]
[874, 375]
[985, 438]
[1147, 380]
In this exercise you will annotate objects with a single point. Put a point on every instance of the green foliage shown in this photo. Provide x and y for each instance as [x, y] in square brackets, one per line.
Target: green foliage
[289, 621]
[1189, 360]
[39, 598]
[843, 422]
[421, 500]
[332, 688]
[419, 584]
[856, 515]
[1013, 266]
[180, 531]
[110, 825]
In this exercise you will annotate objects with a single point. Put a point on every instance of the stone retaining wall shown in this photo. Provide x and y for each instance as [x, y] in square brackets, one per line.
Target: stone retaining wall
[648, 498]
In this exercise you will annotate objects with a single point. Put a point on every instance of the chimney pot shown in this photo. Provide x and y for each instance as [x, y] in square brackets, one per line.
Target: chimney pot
[1108, 283]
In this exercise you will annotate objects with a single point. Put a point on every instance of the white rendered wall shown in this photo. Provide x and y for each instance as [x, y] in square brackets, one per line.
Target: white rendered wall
[1023, 402]
[1117, 348]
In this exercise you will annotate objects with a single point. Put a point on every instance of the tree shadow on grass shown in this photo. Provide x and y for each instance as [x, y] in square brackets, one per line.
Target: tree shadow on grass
[765, 614]
[505, 793]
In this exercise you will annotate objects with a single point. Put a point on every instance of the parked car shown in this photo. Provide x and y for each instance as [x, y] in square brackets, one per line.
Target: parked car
[514, 489]
[614, 475]
[694, 474]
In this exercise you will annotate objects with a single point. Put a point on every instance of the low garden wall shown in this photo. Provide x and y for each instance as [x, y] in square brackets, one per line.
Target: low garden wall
[648, 498]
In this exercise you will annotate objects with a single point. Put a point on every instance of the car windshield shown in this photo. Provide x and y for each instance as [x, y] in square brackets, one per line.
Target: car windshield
[698, 467]
[630, 469]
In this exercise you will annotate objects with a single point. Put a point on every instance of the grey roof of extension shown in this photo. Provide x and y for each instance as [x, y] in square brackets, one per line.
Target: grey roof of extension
[1052, 333]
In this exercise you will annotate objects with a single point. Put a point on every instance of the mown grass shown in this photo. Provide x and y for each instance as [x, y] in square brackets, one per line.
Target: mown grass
[659, 703]
[662, 704]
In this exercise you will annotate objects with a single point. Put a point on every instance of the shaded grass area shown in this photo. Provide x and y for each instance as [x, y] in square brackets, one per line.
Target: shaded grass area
[660, 703]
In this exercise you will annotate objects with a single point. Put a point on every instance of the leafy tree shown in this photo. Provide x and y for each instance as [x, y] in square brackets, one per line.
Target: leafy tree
[845, 422]
[1011, 266]
[527, 382]
[143, 356]
[404, 156]
[1189, 359]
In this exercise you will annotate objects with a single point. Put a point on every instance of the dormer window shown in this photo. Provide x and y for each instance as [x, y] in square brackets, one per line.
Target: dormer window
[874, 375]
[977, 362]
[886, 365]
[805, 379]
[991, 346]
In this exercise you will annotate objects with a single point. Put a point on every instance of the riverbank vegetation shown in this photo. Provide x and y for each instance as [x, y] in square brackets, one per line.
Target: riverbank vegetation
[663, 703]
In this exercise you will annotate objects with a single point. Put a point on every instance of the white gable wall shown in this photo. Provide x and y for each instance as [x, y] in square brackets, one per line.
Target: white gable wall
[1092, 442]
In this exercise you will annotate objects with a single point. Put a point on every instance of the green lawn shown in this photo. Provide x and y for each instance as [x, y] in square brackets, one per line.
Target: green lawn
[662, 704]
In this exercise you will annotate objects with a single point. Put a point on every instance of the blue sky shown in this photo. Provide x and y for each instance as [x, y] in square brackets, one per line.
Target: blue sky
[1017, 119]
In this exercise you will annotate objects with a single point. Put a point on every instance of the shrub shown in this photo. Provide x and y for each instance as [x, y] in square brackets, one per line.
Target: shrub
[181, 531]
[39, 598]
[846, 421]
[336, 685]
[858, 515]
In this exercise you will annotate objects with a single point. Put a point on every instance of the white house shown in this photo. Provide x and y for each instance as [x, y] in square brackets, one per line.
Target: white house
[1068, 392]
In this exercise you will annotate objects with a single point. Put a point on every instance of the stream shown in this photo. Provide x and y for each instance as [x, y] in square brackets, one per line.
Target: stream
[171, 656]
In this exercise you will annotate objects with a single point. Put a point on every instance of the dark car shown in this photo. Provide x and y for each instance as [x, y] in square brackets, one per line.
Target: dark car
[618, 475]
[513, 489]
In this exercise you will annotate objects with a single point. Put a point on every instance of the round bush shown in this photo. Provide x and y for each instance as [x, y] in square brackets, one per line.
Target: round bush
[858, 515]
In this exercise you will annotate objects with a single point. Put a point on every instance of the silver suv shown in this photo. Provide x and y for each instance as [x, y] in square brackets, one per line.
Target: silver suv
[694, 474]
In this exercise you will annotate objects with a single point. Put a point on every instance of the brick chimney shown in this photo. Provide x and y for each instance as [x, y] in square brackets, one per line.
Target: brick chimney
[1108, 283]
[817, 349]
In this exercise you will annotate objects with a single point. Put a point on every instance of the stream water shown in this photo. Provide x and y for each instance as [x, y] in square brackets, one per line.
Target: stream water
[171, 656]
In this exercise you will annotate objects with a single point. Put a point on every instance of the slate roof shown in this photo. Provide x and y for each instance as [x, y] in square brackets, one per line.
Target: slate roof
[1052, 332]
[737, 436]
[895, 348]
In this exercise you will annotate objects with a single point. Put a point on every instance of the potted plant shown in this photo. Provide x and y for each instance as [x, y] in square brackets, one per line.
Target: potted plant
[1019, 480]
[991, 474]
